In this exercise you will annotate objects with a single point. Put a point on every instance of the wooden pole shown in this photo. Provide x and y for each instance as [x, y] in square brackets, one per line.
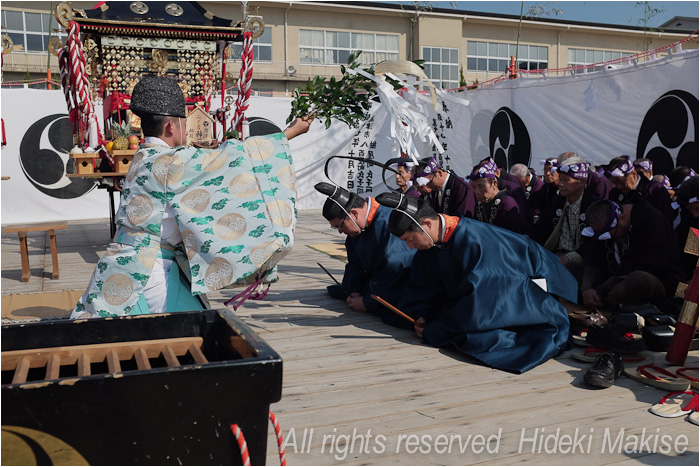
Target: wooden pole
[392, 308]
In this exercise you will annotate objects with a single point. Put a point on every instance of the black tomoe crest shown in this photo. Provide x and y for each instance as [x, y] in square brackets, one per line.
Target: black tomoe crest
[669, 132]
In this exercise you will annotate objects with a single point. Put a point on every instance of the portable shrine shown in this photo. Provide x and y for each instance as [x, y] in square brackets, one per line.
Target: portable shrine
[137, 390]
[109, 48]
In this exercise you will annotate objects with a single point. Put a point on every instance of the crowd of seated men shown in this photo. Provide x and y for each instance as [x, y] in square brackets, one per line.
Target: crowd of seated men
[619, 228]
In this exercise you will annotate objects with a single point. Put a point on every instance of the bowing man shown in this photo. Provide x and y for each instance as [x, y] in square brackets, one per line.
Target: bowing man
[632, 257]
[471, 287]
[377, 261]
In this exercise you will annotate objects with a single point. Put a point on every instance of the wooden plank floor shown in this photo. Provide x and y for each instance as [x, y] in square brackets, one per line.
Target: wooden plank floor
[358, 392]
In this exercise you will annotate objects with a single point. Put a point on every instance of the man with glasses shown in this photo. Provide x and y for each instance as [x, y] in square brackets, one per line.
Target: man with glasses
[377, 261]
[472, 287]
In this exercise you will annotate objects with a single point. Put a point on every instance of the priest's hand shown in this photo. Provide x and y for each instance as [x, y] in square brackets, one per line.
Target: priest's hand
[299, 125]
[419, 325]
[356, 302]
[591, 298]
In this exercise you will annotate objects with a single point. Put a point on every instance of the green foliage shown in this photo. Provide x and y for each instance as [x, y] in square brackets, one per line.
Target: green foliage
[462, 81]
[231, 134]
[347, 99]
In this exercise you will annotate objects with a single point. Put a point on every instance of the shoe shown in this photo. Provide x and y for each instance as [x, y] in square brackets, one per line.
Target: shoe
[676, 404]
[607, 368]
[611, 337]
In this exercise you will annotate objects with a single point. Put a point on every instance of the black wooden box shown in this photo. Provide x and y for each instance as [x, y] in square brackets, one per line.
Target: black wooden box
[150, 389]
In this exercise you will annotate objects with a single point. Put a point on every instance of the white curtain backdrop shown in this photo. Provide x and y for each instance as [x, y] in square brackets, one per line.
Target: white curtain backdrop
[598, 115]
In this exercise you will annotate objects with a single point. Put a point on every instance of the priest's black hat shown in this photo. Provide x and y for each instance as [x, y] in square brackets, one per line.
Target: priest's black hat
[405, 208]
[158, 95]
[338, 203]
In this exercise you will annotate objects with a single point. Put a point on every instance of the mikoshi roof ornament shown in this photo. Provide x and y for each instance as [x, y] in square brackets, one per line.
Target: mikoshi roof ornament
[408, 116]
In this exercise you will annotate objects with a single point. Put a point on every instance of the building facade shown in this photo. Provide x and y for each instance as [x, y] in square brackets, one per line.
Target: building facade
[305, 39]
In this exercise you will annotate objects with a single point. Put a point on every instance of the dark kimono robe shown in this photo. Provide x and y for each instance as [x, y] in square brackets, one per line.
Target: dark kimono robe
[458, 198]
[504, 212]
[377, 263]
[598, 185]
[476, 292]
[511, 183]
[553, 212]
[535, 203]
[653, 192]
[650, 245]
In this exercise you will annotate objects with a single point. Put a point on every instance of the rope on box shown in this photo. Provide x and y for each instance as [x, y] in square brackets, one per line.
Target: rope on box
[243, 446]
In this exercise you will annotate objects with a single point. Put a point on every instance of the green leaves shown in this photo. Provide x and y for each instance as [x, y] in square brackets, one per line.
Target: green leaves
[347, 99]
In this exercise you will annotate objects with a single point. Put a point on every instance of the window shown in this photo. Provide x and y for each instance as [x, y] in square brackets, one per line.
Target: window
[31, 30]
[442, 66]
[494, 57]
[586, 57]
[334, 47]
[262, 47]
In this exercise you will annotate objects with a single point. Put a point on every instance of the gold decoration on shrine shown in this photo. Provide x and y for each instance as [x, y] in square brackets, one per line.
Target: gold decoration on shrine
[55, 46]
[255, 24]
[160, 60]
[64, 13]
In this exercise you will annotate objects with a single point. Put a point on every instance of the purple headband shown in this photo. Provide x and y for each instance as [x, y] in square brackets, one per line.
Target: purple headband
[615, 213]
[623, 168]
[644, 165]
[578, 171]
[667, 183]
[487, 170]
[430, 167]
[553, 162]
[691, 174]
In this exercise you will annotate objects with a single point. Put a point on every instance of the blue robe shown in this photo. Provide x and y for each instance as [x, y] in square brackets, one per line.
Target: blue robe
[377, 264]
[477, 296]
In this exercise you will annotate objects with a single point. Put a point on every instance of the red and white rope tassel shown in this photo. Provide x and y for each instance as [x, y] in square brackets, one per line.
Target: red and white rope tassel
[76, 86]
[240, 439]
[244, 82]
[243, 446]
[280, 441]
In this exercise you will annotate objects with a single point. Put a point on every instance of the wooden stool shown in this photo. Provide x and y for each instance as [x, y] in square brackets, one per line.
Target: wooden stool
[22, 229]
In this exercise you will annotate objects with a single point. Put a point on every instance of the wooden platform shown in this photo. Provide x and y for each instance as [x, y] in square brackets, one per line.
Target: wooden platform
[359, 392]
